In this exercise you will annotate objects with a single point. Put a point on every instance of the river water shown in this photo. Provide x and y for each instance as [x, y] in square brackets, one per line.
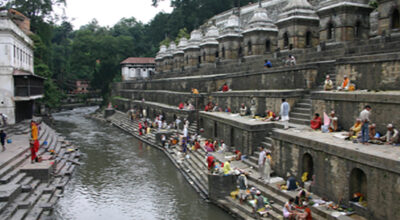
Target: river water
[122, 178]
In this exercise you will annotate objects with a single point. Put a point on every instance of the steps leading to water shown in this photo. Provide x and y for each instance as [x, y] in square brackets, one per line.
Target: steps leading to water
[26, 196]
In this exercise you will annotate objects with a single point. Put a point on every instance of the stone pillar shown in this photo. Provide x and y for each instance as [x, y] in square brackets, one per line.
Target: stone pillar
[220, 187]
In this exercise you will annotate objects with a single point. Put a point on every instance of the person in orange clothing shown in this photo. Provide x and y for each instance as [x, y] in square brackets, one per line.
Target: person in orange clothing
[195, 91]
[316, 122]
[345, 84]
[34, 130]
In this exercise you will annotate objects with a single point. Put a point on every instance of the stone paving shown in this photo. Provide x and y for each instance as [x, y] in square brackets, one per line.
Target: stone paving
[30, 191]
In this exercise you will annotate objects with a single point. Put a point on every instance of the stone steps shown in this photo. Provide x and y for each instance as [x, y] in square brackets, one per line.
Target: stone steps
[248, 210]
[33, 197]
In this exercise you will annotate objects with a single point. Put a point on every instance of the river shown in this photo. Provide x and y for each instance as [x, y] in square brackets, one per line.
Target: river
[122, 178]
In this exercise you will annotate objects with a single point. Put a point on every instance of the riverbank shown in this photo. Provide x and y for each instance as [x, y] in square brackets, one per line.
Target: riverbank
[194, 169]
[30, 190]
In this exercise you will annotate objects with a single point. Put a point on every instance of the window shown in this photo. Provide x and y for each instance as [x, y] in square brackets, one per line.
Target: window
[204, 56]
[308, 39]
[223, 52]
[199, 59]
[330, 31]
[395, 19]
[216, 54]
[249, 48]
[285, 39]
[357, 30]
[240, 51]
[267, 46]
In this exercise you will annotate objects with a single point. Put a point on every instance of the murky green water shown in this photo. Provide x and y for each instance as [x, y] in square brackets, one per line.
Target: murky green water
[121, 178]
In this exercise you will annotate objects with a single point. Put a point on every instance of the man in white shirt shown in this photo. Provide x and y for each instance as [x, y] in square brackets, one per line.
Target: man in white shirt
[261, 163]
[364, 116]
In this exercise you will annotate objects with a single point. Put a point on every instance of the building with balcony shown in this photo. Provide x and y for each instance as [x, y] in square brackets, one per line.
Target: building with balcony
[19, 86]
[137, 67]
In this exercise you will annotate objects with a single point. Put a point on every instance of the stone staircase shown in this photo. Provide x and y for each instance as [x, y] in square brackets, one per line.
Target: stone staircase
[301, 113]
[194, 169]
[27, 197]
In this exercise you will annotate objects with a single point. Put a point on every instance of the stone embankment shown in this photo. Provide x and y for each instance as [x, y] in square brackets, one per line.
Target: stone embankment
[194, 169]
[30, 191]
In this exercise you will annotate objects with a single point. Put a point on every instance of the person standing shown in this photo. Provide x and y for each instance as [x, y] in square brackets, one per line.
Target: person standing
[33, 151]
[285, 109]
[364, 116]
[242, 182]
[3, 136]
[261, 163]
[4, 119]
[267, 169]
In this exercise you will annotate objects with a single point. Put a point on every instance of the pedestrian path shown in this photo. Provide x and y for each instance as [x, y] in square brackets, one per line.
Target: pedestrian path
[24, 194]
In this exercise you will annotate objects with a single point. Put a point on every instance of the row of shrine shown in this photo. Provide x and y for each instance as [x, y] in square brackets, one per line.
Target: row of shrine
[298, 25]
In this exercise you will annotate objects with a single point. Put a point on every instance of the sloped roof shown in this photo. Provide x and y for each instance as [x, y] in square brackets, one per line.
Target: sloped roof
[140, 60]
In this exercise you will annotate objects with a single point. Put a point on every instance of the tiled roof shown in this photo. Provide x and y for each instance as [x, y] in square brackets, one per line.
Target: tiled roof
[141, 60]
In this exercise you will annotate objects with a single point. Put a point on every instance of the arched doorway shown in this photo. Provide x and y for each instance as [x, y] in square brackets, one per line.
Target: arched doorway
[358, 184]
[249, 48]
[308, 166]
[330, 32]
[267, 46]
[357, 30]
[286, 39]
[308, 39]
[395, 19]
[240, 51]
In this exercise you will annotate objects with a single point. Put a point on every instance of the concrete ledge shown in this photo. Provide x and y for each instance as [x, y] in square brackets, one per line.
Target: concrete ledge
[262, 93]
[391, 97]
[386, 158]
[237, 121]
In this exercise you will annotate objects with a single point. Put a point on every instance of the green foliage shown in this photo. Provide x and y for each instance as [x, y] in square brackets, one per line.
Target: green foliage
[166, 42]
[373, 3]
[182, 33]
[93, 52]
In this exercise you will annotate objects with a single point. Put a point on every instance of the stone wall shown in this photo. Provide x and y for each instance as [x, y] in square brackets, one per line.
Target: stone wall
[238, 133]
[163, 96]
[372, 72]
[333, 167]
[264, 99]
[348, 106]
[297, 77]
[154, 109]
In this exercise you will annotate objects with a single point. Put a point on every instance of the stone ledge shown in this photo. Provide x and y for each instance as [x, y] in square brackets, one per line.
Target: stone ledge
[263, 93]
[232, 75]
[238, 121]
[161, 91]
[386, 158]
[391, 97]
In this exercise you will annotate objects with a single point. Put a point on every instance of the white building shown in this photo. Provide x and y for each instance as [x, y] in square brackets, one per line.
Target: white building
[137, 67]
[19, 87]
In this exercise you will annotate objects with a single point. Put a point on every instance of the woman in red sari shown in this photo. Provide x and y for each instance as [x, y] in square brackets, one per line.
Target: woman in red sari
[33, 151]
[316, 122]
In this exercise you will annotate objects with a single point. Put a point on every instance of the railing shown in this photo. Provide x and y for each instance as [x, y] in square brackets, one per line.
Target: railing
[26, 86]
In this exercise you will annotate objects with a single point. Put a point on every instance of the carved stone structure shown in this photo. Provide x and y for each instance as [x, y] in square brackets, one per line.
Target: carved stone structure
[230, 41]
[298, 25]
[192, 50]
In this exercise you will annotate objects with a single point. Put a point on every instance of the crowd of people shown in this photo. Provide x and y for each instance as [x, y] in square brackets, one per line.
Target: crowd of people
[362, 131]
[345, 85]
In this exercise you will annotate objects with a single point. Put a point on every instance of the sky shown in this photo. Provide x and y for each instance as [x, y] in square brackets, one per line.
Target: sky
[108, 13]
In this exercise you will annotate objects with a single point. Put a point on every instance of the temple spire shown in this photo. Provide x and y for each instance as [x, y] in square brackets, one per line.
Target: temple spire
[259, 3]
